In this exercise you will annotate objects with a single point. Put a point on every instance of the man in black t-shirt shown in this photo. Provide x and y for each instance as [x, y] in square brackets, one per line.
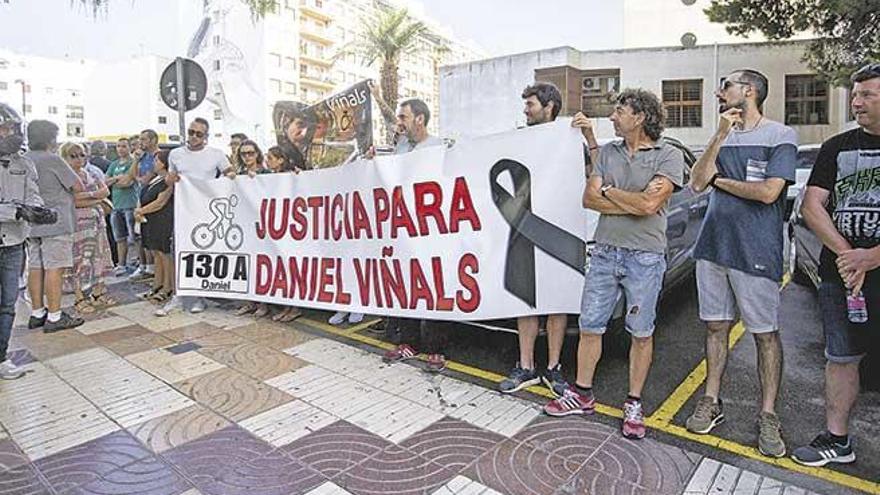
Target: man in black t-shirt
[842, 206]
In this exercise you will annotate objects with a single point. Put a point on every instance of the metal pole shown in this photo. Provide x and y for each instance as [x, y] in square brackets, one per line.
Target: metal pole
[181, 98]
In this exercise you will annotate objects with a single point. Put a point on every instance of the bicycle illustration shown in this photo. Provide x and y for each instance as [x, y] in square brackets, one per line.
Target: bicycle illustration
[204, 235]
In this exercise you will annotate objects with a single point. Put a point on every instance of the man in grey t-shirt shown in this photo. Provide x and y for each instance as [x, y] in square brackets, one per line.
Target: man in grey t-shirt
[629, 186]
[50, 246]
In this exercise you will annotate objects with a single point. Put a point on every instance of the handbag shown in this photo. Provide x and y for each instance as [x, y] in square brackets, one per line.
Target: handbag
[106, 206]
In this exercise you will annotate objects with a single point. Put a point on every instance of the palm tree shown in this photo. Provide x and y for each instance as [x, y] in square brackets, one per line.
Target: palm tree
[385, 39]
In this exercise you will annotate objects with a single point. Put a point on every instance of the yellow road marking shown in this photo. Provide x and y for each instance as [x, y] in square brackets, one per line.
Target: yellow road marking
[676, 400]
[330, 328]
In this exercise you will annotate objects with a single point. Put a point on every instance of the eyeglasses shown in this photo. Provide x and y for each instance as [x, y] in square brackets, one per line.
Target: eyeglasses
[248, 153]
[193, 132]
[727, 83]
[75, 156]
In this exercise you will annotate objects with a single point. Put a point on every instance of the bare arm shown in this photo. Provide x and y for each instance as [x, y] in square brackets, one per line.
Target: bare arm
[766, 191]
[593, 198]
[583, 122]
[645, 203]
[820, 221]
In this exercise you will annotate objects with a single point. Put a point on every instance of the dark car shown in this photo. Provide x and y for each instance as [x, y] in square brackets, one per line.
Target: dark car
[806, 157]
[685, 214]
[804, 247]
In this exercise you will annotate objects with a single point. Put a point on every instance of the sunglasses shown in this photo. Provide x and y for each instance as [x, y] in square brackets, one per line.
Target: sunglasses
[75, 156]
[727, 83]
[193, 132]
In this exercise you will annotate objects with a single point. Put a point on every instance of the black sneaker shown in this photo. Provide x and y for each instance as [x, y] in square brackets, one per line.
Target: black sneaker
[554, 380]
[822, 450]
[66, 321]
[34, 322]
[519, 379]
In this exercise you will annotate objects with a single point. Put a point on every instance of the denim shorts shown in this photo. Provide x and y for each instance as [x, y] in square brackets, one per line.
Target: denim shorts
[614, 271]
[122, 223]
[846, 342]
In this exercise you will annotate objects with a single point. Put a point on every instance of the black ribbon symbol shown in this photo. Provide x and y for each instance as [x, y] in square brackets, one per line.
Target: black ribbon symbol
[528, 231]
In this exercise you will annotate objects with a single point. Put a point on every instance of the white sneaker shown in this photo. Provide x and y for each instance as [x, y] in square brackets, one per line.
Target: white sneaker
[9, 371]
[355, 317]
[120, 270]
[137, 273]
[198, 306]
[338, 318]
[174, 303]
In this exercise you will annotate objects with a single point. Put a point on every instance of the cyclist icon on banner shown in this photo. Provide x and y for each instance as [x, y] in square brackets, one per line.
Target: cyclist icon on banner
[204, 235]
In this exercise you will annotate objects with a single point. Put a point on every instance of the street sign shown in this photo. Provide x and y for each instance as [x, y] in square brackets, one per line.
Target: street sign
[194, 82]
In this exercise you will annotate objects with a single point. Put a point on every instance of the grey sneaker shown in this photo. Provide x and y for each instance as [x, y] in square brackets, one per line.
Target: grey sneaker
[519, 379]
[770, 441]
[9, 371]
[198, 306]
[66, 321]
[706, 415]
[554, 380]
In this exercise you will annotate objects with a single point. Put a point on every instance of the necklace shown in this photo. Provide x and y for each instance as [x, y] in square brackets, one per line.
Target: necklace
[757, 124]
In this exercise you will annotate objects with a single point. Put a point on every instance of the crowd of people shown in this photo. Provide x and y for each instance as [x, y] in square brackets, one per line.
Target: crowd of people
[748, 163]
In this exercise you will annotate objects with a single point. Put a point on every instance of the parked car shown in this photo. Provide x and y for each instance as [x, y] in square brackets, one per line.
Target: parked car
[685, 214]
[804, 247]
[806, 157]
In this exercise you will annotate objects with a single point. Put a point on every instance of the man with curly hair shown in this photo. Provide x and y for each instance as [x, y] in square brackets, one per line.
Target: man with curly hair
[629, 186]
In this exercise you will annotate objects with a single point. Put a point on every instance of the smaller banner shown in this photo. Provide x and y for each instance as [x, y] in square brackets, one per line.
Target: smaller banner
[329, 133]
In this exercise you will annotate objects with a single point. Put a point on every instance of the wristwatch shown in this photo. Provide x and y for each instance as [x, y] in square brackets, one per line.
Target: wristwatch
[714, 178]
[605, 189]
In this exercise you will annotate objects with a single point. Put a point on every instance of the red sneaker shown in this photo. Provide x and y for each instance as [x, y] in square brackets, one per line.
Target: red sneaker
[571, 402]
[401, 353]
[633, 420]
[436, 362]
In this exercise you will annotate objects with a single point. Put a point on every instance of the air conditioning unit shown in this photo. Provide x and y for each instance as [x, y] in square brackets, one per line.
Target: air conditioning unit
[591, 84]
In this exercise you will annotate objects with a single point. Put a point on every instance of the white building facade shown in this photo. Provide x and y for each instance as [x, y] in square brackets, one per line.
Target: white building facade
[484, 97]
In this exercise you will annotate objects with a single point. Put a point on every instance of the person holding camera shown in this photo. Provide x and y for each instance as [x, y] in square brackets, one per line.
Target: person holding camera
[18, 190]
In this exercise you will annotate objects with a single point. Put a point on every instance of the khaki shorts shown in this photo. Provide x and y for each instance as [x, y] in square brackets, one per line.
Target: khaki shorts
[49, 253]
[722, 290]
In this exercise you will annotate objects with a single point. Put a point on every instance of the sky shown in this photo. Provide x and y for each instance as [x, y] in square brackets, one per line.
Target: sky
[63, 28]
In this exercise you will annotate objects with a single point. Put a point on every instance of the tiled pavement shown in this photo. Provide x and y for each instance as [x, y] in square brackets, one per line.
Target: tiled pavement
[217, 404]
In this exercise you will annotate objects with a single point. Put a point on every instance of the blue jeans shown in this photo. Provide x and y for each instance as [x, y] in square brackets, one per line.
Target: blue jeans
[638, 274]
[11, 259]
[122, 223]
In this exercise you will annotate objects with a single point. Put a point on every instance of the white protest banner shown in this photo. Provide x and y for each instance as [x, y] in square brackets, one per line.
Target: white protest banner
[489, 228]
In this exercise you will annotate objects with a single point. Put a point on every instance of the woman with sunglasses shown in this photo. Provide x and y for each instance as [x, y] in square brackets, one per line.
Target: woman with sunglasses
[91, 249]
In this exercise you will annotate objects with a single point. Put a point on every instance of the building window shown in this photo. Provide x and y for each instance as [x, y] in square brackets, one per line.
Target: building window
[275, 85]
[684, 103]
[216, 65]
[49, 91]
[28, 109]
[218, 114]
[4, 85]
[163, 119]
[290, 88]
[74, 112]
[806, 100]
[290, 63]
[275, 59]
[74, 93]
[75, 130]
[53, 110]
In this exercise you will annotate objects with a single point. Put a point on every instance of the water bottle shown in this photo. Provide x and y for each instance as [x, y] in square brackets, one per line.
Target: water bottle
[856, 308]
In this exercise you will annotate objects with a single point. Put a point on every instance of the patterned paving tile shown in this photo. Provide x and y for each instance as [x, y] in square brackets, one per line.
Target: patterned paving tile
[221, 339]
[288, 422]
[657, 467]
[254, 360]
[575, 439]
[44, 415]
[209, 456]
[148, 476]
[273, 473]
[139, 344]
[173, 368]
[177, 428]
[336, 356]
[124, 392]
[335, 448]
[191, 332]
[588, 480]
[22, 480]
[262, 329]
[102, 325]
[493, 411]
[452, 443]
[329, 488]
[47, 346]
[517, 468]
[10, 455]
[225, 319]
[413, 474]
[233, 394]
[127, 332]
[85, 463]
[461, 485]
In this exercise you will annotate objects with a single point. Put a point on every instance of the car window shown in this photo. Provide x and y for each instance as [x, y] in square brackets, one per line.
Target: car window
[806, 158]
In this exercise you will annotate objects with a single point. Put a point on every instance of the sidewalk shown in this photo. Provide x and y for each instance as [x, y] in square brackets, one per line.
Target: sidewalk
[218, 404]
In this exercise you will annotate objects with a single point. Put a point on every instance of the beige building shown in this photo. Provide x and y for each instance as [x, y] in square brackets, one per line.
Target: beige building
[484, 96]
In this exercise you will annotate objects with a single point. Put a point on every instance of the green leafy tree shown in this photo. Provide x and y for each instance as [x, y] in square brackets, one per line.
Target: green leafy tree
[384, 39]
[847, 32]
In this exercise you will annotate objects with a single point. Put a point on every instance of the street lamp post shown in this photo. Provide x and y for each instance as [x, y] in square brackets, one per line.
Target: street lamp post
[23, 97]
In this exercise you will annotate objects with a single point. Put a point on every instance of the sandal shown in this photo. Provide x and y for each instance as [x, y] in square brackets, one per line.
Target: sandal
[160, 296]
[289, 315]
[83, 306]
[151, 293]
[262, 310]
[245, 309]
[103, 299]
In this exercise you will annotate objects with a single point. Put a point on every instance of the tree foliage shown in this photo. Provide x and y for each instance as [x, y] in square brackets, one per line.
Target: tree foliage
[847, 32]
